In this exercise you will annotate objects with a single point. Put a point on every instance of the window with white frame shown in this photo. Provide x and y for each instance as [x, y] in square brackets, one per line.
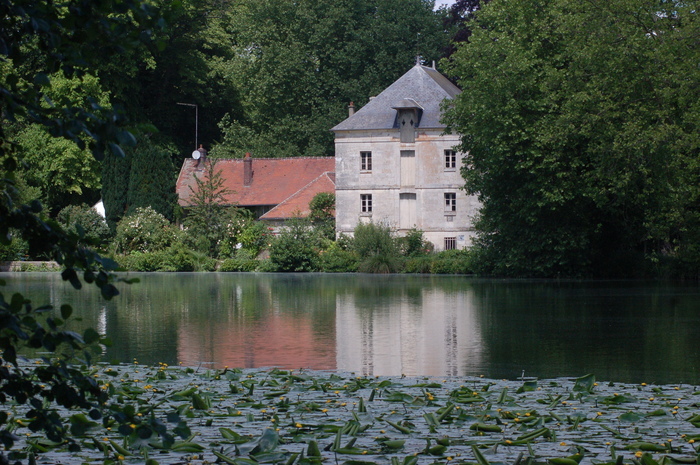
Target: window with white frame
[366, 203]
[450, 159]
[450, 202]
[450, 243]
[365, 161]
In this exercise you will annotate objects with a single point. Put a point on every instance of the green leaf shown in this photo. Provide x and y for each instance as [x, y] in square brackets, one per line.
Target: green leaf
[585, 383]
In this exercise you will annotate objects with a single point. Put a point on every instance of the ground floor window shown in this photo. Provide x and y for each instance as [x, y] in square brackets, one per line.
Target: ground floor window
[450, 243]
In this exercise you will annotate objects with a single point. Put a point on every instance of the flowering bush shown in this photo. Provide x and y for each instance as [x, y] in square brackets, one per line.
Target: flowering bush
[85, 220]
[232, 233]
[255, 237]
[144, 231]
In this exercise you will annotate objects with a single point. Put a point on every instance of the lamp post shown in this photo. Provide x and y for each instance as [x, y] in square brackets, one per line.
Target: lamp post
[196, 120]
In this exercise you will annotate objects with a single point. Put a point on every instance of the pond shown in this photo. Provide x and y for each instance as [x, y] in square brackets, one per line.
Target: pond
[626, 331]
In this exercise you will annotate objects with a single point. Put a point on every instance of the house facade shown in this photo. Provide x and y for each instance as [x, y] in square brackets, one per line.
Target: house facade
[395, 165]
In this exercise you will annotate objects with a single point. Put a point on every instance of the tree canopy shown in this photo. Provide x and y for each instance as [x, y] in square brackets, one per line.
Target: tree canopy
[580, 120]
[298, 64]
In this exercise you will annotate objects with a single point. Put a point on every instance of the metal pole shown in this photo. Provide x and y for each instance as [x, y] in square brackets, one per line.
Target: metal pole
[196, 121]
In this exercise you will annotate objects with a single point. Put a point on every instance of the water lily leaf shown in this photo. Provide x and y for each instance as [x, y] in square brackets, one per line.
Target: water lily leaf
[399, 397]
[267, 442]
[271, 457]
[486, 428]
[244, 461]
[393, 444]
[228, 433]
[313, 450]
[647, 446]
[630, 417]
[187, 446]
[350, 451]
[562, 461]
[585, 383]
[619, 399]
[481, 460]
[527, 387]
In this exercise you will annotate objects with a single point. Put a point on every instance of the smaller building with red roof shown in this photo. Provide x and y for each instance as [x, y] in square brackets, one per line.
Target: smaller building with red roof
[275, 189]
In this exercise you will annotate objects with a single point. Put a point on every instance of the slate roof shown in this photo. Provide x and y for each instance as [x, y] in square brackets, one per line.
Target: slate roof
[274, 181]
[424, 86]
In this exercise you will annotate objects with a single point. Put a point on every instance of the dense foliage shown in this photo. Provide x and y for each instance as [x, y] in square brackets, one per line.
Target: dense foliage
[85, 222]
[581, 124]
[40, 44]
[298, 64]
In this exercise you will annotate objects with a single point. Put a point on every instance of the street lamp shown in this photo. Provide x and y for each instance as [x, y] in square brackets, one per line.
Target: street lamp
[196, 120]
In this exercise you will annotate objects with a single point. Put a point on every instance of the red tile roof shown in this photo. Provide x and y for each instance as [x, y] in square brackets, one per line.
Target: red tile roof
[298, 203]
[274, 181]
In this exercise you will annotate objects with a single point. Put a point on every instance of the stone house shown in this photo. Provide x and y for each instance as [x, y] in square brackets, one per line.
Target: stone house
[274, 189]
[395, 164]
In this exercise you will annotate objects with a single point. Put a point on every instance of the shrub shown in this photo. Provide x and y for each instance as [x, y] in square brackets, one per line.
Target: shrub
[295, 249]
[380, 264]
[243, 261]
[413, 244]
[17, 249]
[377, 248]
[453, 262]
[238, 220]
[266, 266]
[418, 264]
[144, 231]
[238, 264]
[322, 215]
[336, 259]
[255, 237]
[86, 222]
[175, 258]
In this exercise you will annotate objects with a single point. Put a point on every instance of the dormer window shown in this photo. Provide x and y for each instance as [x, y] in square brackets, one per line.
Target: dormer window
[407, 126]
[408, 114]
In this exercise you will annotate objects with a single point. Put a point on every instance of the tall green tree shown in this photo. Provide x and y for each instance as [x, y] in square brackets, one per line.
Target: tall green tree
[144, 177]
[298, 64]
[152, 179]
[209, 221]
[72, 36]
[580, 120]
[185, 65]
[115, 187]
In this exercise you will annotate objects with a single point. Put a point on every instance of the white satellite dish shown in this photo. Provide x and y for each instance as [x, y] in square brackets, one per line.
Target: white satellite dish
[196, 154]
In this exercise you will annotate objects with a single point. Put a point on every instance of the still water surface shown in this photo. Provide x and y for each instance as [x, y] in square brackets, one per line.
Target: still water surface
[627, 331]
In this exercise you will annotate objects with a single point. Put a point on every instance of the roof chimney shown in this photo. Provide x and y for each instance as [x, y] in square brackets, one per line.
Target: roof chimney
[351, 109]
[247, 170]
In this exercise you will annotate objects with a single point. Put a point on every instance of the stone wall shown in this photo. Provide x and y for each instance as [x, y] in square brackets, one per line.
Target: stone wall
[29, 266]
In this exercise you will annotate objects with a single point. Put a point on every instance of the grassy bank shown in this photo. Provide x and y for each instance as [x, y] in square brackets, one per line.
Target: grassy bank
[306, 418]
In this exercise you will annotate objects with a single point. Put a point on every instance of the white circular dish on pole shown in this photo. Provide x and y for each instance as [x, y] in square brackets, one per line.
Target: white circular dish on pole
[196, 154]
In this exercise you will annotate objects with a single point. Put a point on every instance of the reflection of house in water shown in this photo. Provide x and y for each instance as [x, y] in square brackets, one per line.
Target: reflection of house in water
[434, 333]
[273, 337]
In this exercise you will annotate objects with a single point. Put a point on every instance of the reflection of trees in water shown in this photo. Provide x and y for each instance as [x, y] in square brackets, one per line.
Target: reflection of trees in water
[626, 331]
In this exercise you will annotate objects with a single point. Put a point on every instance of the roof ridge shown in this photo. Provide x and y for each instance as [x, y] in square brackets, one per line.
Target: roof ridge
[277, 158]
